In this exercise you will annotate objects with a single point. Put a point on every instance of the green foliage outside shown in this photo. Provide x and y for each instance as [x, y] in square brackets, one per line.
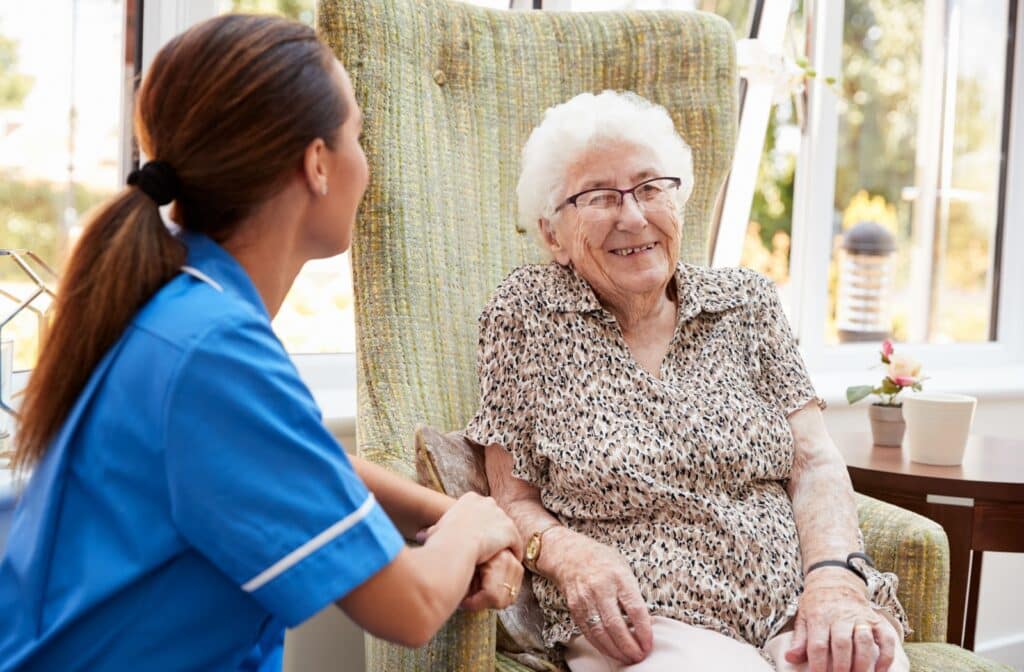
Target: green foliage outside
[31, 214]
[14, 86]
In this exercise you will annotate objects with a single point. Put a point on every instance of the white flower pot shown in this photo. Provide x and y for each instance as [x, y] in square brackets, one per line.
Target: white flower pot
[937, 426]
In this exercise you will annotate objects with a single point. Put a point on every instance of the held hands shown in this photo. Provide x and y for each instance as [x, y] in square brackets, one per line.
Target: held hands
[499, 549]
[598, 587]
[496, 583]
[835, 619]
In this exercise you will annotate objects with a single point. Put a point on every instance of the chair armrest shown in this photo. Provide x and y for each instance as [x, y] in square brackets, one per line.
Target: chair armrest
[916, 549]
[465, 642]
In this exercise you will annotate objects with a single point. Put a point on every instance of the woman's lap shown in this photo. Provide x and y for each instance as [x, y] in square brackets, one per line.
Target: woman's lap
[678, 646]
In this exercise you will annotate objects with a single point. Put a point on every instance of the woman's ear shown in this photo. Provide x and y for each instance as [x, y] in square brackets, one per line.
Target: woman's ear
[547, 233]
[314, 167]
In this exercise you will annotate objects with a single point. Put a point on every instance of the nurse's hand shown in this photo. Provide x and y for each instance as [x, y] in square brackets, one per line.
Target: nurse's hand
[495, 584]
[478, 519]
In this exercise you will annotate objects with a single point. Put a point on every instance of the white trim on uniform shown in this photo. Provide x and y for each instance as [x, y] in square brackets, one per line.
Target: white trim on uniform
[202, 277]
[311, 546]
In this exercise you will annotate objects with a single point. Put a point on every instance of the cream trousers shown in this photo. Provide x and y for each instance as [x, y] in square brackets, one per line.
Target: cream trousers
[679, 647]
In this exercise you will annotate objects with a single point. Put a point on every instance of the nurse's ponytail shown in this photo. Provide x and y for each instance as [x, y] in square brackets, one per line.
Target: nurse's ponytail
[226, 111]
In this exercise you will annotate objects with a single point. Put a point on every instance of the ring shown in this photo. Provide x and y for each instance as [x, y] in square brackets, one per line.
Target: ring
[594, 619]
[512, 592]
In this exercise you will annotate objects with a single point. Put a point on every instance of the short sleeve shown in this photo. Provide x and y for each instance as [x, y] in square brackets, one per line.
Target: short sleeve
[258, 485]
[506, 370]
[781, 377]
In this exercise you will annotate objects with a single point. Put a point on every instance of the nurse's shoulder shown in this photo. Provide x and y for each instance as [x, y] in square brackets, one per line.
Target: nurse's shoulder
[189, 308]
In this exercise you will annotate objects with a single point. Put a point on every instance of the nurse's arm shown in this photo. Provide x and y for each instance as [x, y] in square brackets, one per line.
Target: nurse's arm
[411, 598]
[410, 506]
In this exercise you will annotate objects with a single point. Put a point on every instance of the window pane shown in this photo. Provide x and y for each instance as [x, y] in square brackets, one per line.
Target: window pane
[919, 154]
[766, 246]
[969, 196]
[61, 82]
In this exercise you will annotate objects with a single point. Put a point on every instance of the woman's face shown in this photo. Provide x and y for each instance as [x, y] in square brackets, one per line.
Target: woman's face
[347, 175]
[622, 252]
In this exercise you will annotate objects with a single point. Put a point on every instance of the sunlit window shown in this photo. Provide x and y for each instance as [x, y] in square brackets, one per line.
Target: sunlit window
[921, 137]
[62, 78]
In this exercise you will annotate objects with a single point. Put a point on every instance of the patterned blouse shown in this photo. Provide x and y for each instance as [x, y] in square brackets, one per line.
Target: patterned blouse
[684, 474]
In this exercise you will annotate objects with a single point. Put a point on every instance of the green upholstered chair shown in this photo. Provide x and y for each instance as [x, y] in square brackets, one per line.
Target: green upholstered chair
[449, 93]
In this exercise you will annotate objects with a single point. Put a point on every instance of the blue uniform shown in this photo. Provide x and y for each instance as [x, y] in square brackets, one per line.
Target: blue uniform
[193, 505]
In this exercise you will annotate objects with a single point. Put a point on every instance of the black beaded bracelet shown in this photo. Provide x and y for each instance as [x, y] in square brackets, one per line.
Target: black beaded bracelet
[847, 564]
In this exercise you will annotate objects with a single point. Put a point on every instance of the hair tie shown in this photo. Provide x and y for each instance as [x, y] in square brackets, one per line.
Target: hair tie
[157, 180]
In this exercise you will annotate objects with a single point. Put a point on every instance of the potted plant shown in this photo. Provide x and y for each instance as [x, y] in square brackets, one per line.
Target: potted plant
[887, 425]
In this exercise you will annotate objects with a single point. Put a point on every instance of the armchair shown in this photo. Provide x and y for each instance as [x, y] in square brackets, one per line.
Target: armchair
[450, 92]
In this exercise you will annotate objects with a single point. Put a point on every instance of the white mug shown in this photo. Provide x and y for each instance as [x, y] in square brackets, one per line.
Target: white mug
[937, 426]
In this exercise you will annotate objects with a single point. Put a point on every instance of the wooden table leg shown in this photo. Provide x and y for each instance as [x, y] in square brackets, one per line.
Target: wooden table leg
[971, 619]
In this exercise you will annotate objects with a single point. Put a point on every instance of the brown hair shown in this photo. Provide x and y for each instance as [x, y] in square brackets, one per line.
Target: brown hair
[230, 105]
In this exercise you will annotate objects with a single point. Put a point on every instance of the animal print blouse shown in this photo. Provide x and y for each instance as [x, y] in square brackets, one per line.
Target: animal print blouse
[684, 474]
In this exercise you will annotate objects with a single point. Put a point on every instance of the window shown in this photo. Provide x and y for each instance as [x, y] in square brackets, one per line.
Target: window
[919, 139]
[920, 145]
[65, 110]
[62, 83]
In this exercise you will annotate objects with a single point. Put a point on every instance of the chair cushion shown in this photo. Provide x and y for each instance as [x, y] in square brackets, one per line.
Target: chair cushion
[454, 465]
[934, 657]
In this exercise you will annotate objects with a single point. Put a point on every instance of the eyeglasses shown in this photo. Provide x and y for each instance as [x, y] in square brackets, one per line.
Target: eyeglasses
[653, 195]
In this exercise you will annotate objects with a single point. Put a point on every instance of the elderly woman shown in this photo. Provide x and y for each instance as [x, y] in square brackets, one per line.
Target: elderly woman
[651, 428]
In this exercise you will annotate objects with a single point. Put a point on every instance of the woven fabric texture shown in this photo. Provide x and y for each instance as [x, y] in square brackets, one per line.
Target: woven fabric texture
[916, 550]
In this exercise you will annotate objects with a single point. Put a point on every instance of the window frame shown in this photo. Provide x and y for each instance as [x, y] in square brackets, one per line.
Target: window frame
[813, 202]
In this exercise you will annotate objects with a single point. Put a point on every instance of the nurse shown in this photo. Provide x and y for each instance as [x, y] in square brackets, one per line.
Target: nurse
[186, 502]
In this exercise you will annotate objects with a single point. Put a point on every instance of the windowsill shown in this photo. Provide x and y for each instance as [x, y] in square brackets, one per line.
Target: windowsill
[985, 383]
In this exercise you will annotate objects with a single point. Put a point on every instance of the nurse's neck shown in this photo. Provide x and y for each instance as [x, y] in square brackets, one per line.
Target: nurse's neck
[269, 246]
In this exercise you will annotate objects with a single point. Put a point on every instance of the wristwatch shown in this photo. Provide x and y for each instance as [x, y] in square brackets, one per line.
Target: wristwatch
[532, 552]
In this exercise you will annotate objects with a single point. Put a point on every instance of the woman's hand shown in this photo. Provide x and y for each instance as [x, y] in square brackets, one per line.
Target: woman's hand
[479, 519]
[496, 583]
[835, 619]
[598, 587]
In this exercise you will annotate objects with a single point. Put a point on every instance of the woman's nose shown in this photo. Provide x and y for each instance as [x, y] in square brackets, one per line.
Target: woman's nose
[631, 217]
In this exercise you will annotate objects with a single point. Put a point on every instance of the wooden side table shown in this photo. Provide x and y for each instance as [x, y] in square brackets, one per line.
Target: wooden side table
[980, 504]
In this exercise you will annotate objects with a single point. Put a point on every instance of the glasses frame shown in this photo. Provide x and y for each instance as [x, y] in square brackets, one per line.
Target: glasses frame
[624, 192]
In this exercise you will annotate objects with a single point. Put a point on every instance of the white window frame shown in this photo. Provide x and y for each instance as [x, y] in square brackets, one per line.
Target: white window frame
[331, 376]
[999, 364]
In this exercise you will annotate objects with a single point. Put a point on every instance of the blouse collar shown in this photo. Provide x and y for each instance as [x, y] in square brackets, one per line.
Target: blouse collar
[701, 289]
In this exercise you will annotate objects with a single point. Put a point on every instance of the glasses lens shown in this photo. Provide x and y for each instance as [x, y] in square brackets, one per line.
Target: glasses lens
[656, 194]
[599, 199]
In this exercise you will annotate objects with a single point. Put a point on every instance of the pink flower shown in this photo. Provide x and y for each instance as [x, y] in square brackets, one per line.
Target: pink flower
[886, 348]
[905, 381]
[902, 366]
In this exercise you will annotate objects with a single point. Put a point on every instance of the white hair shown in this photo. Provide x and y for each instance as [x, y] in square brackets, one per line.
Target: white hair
[583, 122]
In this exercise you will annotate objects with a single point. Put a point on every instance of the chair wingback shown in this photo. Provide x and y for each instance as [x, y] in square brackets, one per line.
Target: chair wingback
[450, 93]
